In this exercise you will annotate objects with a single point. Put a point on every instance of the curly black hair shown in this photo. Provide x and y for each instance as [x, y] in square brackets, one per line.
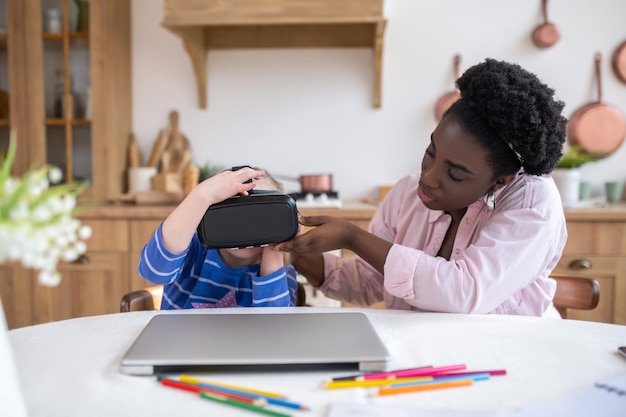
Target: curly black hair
[509, 110]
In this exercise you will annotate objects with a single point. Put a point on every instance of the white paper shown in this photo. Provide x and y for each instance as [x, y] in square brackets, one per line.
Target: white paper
[374, 410]
[606, 398]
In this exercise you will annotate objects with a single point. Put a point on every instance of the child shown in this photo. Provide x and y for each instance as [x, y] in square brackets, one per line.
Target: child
[197, 277]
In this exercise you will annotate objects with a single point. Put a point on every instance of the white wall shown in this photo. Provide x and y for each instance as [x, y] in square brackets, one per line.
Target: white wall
[307, 111]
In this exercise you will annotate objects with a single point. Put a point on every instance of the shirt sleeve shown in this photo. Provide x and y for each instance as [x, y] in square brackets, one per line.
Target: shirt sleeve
[157, 264]
[351, 280]
[277, 289]
[513, 249]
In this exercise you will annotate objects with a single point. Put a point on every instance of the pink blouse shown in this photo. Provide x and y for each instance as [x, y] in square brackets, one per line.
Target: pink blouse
[500, 262]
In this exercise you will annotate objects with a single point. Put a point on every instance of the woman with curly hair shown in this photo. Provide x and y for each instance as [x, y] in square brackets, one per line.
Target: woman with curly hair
[478, 229]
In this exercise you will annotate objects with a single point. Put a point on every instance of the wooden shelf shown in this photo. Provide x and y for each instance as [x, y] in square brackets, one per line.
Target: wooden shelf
[72, 35]
[215, 24]
[73, 122]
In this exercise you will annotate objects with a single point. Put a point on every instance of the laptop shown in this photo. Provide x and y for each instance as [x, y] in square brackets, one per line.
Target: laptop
[250, 342]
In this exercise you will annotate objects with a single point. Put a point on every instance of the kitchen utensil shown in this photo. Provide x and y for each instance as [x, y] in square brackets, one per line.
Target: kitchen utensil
[446, 100]
[157, 148]
[546, 34]
[149, 198]
[619, 62]
[177, 146]
[597, 127]
[133, 153]
[313, 183]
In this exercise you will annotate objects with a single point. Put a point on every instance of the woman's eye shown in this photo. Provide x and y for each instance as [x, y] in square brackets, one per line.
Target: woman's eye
[453, 178]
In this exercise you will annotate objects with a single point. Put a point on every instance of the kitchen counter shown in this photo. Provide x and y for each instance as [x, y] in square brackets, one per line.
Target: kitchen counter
[350, 209]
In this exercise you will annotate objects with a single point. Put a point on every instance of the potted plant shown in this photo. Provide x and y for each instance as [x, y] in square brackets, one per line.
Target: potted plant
[567, 172]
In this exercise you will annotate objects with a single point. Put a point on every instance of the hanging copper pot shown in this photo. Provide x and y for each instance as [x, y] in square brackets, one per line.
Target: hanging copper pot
[546, 34]
[619, 62]
[446, 100]
[597, 127]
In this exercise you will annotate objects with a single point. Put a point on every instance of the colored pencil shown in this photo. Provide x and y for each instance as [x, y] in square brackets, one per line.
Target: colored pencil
[407, 373]
[270, 400]
[493, 372]
[197, 389]
[192, 380]
[250, 407]
[424, 387]
[478, 377]
[353, 377]
[373, 382]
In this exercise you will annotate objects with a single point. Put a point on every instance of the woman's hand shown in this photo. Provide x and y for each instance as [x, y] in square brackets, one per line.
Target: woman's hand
[327, 233]
[330, 233]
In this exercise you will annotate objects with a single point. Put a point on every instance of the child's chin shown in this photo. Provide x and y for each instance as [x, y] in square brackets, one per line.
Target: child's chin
[245, 253]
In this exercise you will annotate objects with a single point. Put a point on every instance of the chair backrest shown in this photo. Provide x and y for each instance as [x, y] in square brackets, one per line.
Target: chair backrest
[575, 292]
[150, 299]
[140, 300]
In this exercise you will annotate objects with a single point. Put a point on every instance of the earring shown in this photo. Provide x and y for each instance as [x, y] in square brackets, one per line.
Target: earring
[491, 200]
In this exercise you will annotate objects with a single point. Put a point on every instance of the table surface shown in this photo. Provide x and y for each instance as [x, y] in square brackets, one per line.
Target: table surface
[71, 368]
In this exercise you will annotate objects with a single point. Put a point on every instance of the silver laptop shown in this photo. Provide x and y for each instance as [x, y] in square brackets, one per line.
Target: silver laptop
[248, 342]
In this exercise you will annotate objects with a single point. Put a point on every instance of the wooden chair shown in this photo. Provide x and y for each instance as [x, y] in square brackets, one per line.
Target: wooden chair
[146, 299]
[150, 299]
[575, 292]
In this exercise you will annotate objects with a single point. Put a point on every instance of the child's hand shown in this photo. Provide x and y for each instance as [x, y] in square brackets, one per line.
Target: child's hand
[271, 261]
[227, 184]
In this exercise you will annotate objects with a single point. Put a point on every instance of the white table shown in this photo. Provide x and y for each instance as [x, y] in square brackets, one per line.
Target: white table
[70, 368]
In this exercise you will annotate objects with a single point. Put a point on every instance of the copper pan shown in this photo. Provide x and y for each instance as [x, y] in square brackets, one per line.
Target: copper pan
[546, 34]
[597, 127]
[619, 62]
[312, 183]
[446, 100]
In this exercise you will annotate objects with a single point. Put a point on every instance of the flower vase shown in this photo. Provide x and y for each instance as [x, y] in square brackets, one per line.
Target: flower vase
[11, 397]
[567, 181]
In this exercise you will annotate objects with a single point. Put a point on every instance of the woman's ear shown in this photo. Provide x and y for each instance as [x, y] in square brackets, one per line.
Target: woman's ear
[502, 181]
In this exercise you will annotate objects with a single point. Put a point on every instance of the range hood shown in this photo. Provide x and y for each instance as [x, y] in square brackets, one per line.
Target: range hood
[232, 24]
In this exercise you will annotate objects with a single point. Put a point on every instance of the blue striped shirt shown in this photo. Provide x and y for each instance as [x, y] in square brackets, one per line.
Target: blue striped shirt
[199, 277]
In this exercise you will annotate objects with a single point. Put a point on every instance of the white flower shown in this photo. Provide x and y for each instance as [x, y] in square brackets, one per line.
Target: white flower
[36, 223]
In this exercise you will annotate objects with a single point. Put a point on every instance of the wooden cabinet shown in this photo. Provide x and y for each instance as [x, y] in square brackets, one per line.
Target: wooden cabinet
[217, 24]
[69, 91]
[95, 283]
[87, 289]
[16, 294]
[140, 233]
[596, 247]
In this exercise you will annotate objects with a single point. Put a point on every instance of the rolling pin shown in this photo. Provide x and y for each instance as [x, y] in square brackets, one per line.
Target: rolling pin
[157, 148]
[133, 153]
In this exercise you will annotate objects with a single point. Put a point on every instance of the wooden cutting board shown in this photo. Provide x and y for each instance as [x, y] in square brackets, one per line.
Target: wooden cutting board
[149, 198]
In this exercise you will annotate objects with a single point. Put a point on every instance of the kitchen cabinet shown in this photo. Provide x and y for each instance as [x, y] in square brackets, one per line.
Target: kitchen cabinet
[94, 283]
[87, 289]
[69, 92]
[217, 24]
[596, 247]
[16, 295]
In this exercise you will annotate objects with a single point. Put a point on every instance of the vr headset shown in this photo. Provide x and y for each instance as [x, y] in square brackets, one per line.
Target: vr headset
[258, 219]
